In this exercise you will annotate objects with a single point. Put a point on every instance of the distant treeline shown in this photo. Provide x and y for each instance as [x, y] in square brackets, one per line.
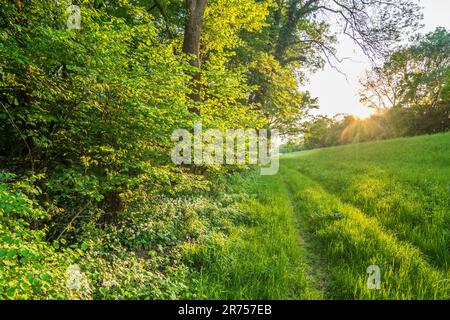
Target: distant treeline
[411, 93]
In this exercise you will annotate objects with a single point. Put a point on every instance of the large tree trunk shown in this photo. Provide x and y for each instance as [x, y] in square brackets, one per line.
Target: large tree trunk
[191, 45]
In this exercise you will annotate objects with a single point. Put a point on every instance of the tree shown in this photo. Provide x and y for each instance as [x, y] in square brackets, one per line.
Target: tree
[298, 38]
[376, 26]
[427, 69]
[412, 85]
[191, 44]
[281, 102]
[381, 89]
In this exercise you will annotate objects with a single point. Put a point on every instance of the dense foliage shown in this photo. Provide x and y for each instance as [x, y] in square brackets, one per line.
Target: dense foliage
[88, 115]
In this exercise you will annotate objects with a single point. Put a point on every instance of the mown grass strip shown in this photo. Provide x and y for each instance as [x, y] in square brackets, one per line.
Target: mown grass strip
[404, 183]
[352, 241]
[261, 259]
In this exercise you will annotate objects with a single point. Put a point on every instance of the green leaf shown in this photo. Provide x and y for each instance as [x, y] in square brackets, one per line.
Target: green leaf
[45, 277]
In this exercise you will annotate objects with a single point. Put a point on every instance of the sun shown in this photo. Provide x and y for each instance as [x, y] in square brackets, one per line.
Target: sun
[363, 112]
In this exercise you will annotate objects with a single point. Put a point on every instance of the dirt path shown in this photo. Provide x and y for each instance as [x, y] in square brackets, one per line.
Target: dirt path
[316, 264]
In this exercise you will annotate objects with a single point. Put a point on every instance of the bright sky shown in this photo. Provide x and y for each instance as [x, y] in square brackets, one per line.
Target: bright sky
[340, 95]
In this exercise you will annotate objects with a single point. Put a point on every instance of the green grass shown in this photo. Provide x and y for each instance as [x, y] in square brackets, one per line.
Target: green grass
[316, 227]
[351, 241]
[262, 258]
[403, 183]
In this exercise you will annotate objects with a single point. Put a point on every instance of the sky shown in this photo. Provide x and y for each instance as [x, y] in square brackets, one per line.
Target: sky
[338, 93]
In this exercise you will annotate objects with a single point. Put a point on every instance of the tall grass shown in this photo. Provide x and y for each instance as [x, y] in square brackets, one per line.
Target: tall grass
[312, 231]
[403, 183]
[351, 242]
[262, 258]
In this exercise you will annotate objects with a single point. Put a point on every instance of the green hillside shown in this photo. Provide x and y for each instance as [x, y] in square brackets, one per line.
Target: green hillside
[382, 203]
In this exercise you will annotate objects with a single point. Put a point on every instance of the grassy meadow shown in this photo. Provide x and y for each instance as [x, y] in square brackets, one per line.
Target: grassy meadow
[316, 227]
